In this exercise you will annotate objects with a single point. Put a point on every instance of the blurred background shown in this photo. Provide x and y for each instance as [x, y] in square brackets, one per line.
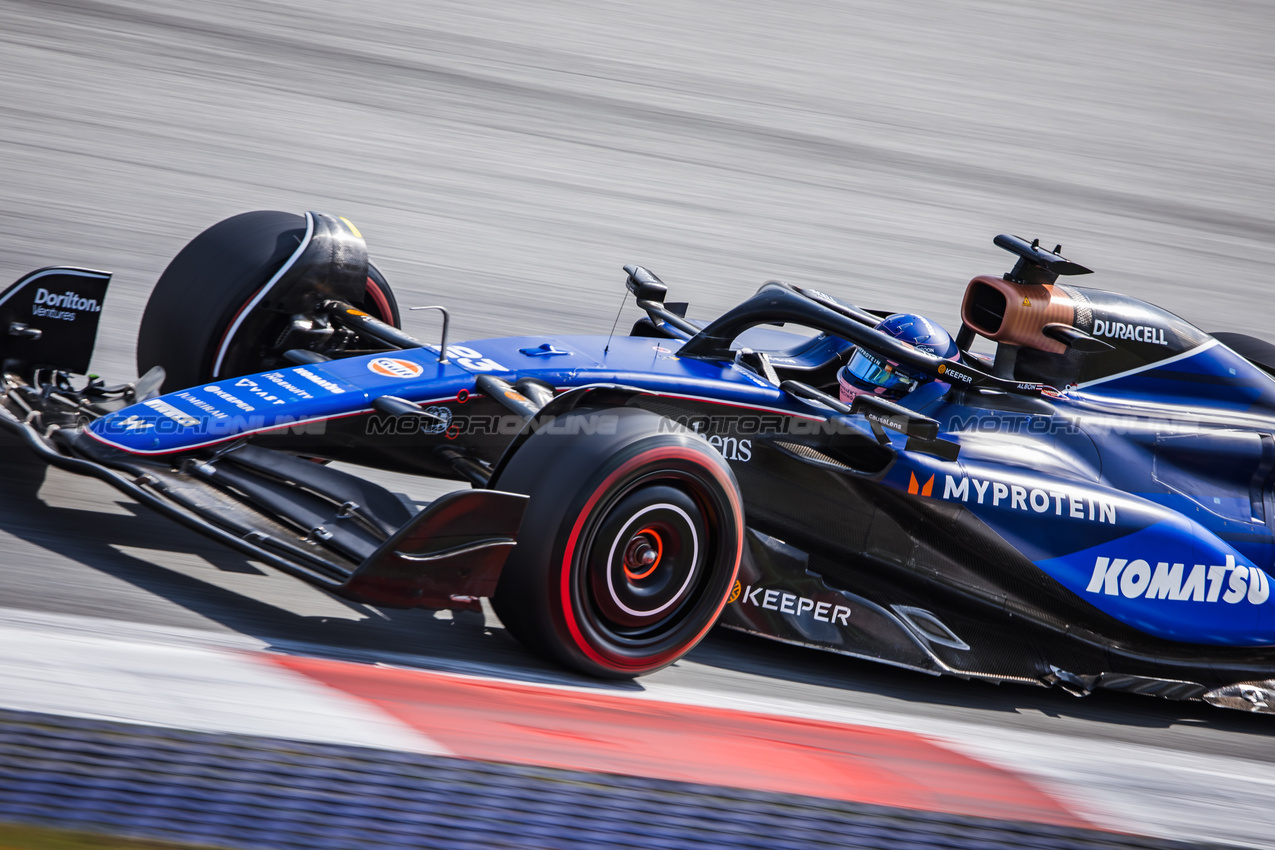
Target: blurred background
[507, 158]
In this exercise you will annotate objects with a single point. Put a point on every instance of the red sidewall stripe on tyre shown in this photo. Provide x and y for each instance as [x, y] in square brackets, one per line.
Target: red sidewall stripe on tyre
[662, 453]
[379, 300]
[223, 342]
[373, 292]
[256, 296]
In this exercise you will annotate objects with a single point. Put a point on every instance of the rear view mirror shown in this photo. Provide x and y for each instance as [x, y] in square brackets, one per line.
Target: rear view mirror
[644, 285]
[896, 417]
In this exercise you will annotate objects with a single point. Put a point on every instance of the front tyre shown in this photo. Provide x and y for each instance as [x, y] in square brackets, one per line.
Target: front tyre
[629, 547]
[202, 320]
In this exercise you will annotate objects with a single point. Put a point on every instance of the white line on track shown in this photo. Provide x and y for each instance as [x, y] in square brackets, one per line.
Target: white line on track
[184, 678]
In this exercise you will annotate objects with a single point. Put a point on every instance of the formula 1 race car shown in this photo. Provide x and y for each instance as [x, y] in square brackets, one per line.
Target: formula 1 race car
[1090, 506]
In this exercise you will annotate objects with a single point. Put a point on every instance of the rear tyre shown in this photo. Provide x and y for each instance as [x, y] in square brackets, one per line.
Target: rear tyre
[210, 282]
[629, 547]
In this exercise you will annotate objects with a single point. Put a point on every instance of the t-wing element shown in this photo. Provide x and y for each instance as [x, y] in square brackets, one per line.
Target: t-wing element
[1036, 265]
[447, 556]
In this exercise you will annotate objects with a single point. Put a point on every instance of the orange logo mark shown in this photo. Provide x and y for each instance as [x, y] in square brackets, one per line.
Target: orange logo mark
[734, 593]
[914, 488]
[393, 367]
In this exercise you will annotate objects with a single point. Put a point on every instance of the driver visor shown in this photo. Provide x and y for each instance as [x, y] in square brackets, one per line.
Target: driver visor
[872, 370]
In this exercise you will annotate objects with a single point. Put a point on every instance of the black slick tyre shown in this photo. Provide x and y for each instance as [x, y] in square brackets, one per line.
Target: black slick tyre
[630, 544]
[210, 282]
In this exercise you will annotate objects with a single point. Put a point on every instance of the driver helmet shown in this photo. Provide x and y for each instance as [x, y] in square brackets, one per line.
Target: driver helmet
[869, 372]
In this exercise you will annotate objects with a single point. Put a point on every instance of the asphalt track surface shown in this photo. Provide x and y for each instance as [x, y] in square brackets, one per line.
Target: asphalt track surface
[507, 158]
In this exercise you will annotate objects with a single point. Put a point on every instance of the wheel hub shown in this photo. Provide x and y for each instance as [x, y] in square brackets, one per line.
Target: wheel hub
[647, 558]
[643, 554]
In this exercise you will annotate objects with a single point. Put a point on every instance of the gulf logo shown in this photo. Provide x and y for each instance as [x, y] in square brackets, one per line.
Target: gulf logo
[393, 367]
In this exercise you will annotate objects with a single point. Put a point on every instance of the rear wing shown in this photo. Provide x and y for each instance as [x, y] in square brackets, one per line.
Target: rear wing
[48, 319]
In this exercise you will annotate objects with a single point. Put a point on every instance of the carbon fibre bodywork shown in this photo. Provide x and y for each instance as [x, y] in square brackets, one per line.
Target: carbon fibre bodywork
[1007, 540]
[1094, 507]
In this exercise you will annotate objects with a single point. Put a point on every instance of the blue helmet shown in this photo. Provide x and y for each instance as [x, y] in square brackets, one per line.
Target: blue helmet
[869, 372]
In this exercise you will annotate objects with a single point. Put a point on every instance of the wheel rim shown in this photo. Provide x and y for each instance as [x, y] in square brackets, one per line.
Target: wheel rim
[255, 346]
[647, 560]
